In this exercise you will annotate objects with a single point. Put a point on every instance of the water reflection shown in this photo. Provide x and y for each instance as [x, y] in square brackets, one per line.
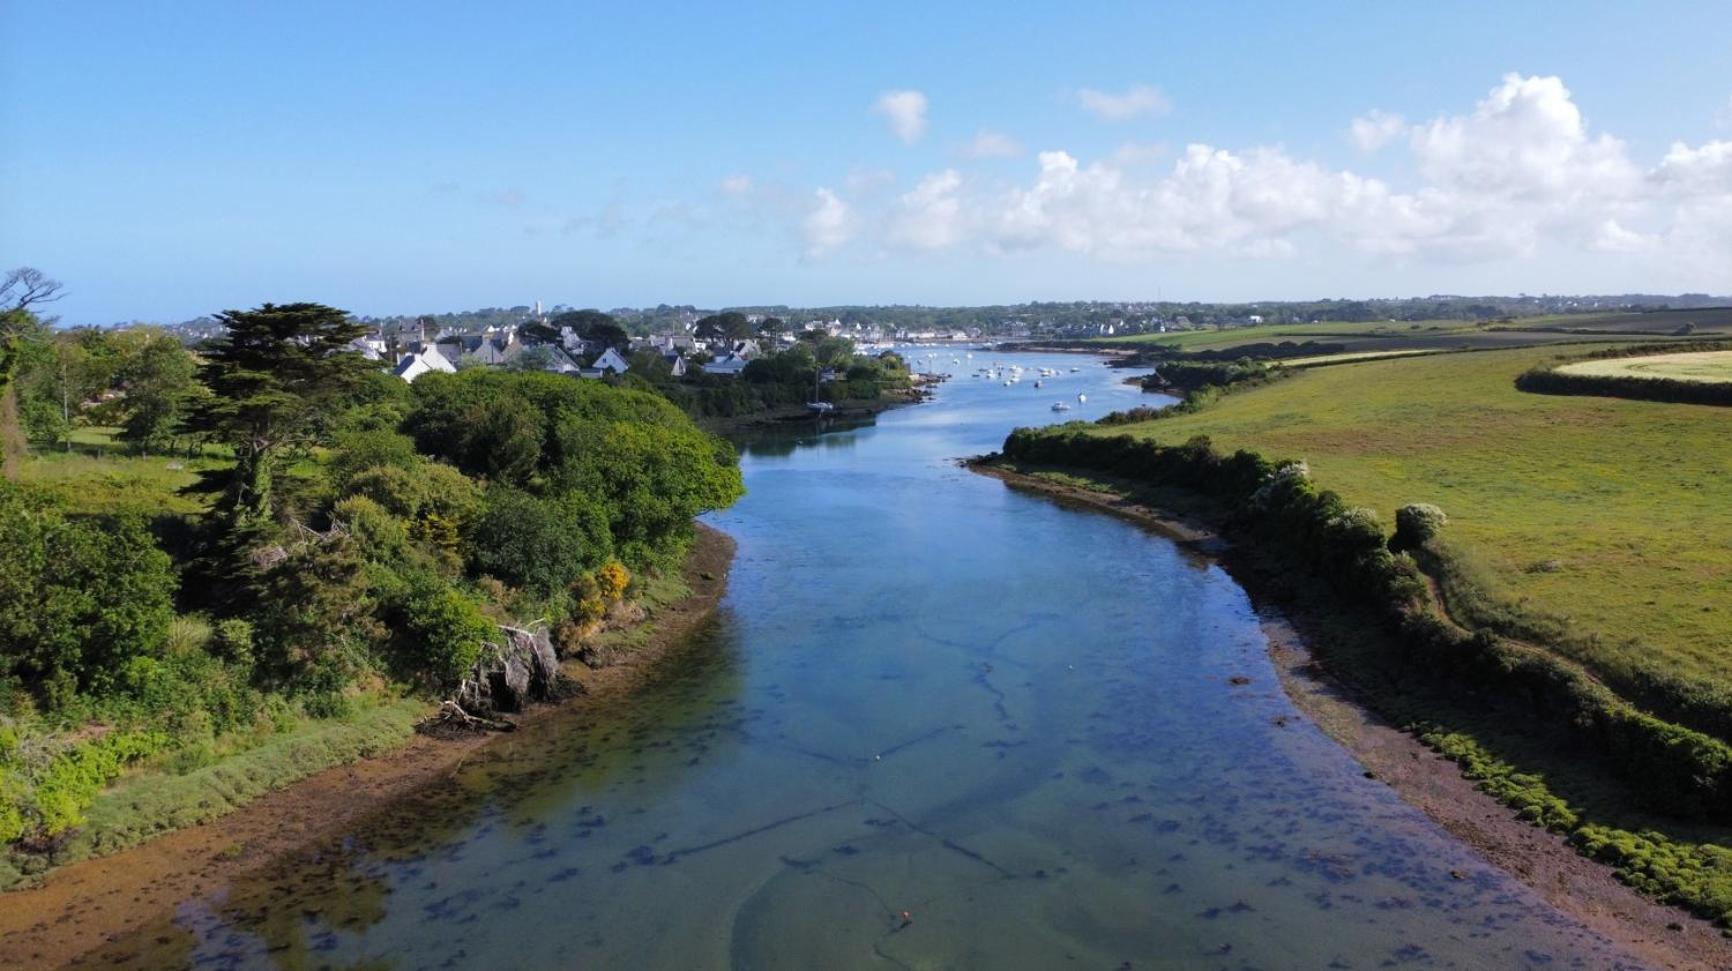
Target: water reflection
[939, 724]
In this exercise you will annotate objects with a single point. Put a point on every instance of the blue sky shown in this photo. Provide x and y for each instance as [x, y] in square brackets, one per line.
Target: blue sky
[167, 160]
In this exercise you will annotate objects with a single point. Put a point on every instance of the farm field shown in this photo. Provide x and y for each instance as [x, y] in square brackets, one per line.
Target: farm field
[1708, 366]
[1607, 513]
[1351, 356]
[1367, 338]
[1704, 320]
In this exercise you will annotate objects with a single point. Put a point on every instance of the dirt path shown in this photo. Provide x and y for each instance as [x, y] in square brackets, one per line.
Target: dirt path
[1664, 937]
[80, 907]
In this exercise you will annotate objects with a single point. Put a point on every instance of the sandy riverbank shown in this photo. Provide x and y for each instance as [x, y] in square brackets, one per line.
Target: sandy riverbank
[80, 907]
[1662, 936]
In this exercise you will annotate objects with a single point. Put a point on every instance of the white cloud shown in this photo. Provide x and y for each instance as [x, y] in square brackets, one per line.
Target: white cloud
[904, 112]
[1521, 174]
[737, 184]
[1375, 129]
[1137, 100]
[1705, 170]
[991, 144]
[828, 224]
[1613, 237]
[1526, 139]
[928, 216]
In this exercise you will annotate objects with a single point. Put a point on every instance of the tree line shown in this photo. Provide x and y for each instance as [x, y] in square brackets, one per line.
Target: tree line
[361, 535]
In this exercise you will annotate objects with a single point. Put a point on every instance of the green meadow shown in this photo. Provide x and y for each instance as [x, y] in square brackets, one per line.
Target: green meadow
[1608, 518]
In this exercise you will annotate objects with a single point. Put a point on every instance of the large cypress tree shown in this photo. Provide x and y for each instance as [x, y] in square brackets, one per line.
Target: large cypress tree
[278, 379]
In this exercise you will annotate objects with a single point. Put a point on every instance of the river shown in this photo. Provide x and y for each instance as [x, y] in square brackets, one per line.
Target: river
[937, 723]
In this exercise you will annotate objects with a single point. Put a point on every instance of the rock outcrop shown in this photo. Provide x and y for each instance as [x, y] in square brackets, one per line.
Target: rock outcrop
[510, 675]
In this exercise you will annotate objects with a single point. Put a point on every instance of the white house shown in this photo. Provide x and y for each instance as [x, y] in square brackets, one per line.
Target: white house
[558, 361]
[611, 361]
[426, 361]
[676, 363]
[730, 365]
[371, 348]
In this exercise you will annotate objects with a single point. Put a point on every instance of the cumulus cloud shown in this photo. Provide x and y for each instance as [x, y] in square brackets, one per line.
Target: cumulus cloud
[1707, 169]
[1375, 129]
[1520, 173]
[904, 112]
[1135, 101]
[737, 184]
[991, 144]
[1526, 138]
[828, 224]
[928, 217]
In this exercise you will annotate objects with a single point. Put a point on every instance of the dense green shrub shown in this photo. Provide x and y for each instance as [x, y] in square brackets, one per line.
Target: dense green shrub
[70, 781]
[420, 492]
[380, 536]
[1415, 524]
[537, 544]
[315, 622]
[78, 597]
[1188, 376]
[357, 451]
[650, 480]
[440, 632]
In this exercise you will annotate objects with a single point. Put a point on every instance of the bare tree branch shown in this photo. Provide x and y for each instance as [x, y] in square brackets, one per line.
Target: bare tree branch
[26, 286]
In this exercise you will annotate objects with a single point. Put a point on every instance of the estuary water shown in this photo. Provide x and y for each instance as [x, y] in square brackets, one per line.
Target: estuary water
[937, 724]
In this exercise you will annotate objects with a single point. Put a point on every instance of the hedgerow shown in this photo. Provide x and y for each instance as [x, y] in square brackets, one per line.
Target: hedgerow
[1549, 379]
[1667, 768]
[1674, 769]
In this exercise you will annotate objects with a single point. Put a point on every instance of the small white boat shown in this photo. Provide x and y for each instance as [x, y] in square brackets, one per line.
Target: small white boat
[1075, 370]
[1037, 384]
[1082, 397]
[1060, 406]
[820, 407]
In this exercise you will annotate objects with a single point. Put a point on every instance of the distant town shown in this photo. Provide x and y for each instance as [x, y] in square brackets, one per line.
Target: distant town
[556, 337]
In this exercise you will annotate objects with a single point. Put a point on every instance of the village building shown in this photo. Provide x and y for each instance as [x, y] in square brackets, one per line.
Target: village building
[422, 362]
[608, 362]
[728, 366]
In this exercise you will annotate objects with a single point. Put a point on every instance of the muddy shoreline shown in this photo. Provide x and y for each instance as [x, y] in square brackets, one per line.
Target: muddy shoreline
[81, 907]
[1662, 936]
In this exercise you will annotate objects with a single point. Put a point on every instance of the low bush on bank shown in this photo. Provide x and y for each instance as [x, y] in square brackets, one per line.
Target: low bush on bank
[1695, 876]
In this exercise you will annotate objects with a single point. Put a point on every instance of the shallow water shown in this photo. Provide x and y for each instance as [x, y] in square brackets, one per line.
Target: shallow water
[926, 695]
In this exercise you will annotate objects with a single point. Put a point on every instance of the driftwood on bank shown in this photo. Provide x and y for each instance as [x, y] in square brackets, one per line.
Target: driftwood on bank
[507, 678]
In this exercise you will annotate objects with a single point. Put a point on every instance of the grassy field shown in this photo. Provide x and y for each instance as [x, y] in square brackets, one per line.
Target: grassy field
[1388, 336]
[1348, 356]
[1709, 366]
[1705, 320]
[1611, 514]
[1209, 340]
